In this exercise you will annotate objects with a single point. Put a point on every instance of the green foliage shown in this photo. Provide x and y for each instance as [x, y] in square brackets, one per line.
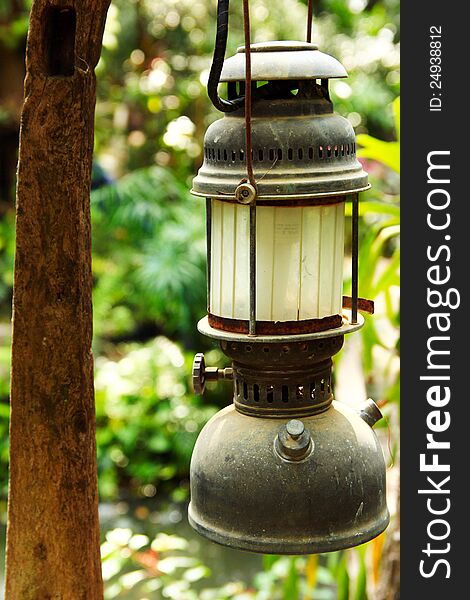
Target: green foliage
[7, 252]
[134, 566]
[379, 264]
[14, 16]
[162, 568]
[387, 153]
[149, 257]
[147, 420]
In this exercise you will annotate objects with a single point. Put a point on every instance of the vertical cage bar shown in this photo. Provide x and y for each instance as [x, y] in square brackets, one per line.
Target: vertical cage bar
[252, 324]
[355, 256]
[209, 250]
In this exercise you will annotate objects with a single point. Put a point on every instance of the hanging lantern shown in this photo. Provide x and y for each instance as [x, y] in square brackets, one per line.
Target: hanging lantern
[285, 469]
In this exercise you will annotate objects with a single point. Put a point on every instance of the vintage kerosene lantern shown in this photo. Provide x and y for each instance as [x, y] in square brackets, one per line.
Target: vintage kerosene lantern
[285, 469]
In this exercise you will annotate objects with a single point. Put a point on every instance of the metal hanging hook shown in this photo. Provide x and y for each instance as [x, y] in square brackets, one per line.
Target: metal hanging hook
[218, 62]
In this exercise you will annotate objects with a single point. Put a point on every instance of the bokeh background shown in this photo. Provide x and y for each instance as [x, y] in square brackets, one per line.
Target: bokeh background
[149, 285]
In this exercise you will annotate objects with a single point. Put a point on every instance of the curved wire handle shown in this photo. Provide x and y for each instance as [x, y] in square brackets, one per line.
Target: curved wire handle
[218, 62]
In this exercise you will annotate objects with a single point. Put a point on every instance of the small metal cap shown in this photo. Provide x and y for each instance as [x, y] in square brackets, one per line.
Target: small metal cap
[295, 428]
[293, 442]
[245, 193]
[370, 412]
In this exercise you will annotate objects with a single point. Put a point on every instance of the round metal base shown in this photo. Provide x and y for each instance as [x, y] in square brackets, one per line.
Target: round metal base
[246, 494]
[295, 545]
[347, 327]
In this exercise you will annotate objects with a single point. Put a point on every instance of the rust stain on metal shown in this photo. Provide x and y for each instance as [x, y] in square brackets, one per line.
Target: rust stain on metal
[277, 327]
[363, 304]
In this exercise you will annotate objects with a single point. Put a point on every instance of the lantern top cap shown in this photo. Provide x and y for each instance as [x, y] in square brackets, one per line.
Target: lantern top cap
[272, 61]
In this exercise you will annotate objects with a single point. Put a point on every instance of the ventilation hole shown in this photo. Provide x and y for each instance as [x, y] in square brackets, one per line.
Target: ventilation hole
[300, 153]
[328, 151]
[285, 349]
[242, 155]
[266, 349]
[279, 154]
[270, 393]
[321, 344]
[271, 155]
[260, 155]
[342, 149]
[310, 152]
[322, 385]
[290, 154]
[248, 348]
[252, 154]
[312, 391]
[256, 392]
[354, 148]
[245, 391]
[299, 392]
[336, 150]
[347, 149]
[328, 385]
[320, 152]
[304, 347]
[225, 155]
[218, 154]
[234, 156]
[285, 393]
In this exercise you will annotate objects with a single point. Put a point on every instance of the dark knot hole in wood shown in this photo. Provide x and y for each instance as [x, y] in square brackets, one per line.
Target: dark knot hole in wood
[59, 41]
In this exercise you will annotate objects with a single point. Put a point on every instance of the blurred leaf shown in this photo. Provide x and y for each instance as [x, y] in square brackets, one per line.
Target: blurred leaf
[291, 585]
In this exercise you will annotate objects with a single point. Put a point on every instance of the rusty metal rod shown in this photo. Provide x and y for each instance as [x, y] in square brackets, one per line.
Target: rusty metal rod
[354, 257]
[248, 142]
[252, 324]
[208, 249]
[309, 20]
[249, 166]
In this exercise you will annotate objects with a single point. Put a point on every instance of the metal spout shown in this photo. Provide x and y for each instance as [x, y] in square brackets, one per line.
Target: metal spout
[370, 412]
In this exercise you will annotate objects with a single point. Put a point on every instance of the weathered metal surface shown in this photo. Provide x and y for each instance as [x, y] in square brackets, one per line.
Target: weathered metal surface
[354, 256]
[288, 379]
[301, 149]
[253, 324]
[370, 412]
[275, 327]
[208, 250]
[205, 328]
[283, 60]
[245, 495]
[363, 304]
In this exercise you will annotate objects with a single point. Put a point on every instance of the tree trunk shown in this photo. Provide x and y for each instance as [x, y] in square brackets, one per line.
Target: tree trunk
[53, 528]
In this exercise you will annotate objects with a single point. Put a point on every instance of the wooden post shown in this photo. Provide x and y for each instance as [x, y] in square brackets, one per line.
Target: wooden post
[53, 528]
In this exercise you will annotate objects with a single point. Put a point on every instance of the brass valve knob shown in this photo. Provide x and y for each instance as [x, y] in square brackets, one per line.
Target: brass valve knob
[202, 374]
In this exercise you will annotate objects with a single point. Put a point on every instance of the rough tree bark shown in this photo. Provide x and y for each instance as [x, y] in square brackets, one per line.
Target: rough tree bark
[53, 528]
